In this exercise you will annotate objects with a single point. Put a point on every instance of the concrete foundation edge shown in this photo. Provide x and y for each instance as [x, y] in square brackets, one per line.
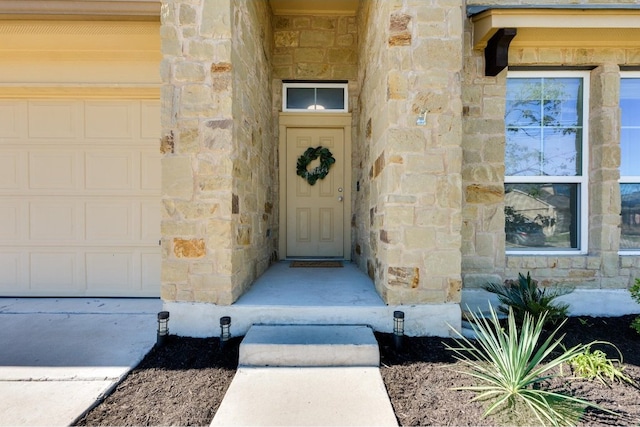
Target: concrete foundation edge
[582, 302]
[203, 320]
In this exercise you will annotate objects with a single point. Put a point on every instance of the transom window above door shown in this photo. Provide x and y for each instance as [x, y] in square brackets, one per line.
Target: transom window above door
[314, 96]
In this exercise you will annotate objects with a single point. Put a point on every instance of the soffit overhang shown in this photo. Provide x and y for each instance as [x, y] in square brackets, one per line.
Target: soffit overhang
[81, 9]
[560, 27]
[314, 7]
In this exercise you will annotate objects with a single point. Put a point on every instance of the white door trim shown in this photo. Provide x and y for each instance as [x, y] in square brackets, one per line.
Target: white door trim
[310, 120]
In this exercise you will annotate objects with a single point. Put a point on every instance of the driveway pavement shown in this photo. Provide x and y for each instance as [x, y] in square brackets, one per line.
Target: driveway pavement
[58, 356]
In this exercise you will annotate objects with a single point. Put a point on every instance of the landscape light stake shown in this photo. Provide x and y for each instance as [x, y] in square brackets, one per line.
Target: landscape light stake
[398, 328]
[225, 334]
[163, 328]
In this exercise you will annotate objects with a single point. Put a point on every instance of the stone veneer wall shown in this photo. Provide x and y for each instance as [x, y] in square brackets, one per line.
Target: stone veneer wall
[216, 176]
[314, 48]
[410, 62]
[484, 143]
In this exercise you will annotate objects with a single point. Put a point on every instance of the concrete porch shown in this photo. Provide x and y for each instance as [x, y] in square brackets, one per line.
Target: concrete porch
[311, 296]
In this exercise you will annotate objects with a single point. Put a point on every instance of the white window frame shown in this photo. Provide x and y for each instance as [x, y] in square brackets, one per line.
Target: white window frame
[316, 85]
[631, 179]
[582, 180]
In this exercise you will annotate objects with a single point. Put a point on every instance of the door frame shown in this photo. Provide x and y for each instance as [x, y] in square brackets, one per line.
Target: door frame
[314, 120]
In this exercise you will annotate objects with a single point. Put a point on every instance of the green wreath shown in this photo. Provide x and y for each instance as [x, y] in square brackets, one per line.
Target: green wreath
[319, 172]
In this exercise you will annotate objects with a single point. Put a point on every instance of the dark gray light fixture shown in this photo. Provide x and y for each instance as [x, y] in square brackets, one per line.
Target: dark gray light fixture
[225, 333]
[163, 327]
[398, 328]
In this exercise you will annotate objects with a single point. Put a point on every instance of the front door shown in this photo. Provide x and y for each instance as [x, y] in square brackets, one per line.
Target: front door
[315, 213]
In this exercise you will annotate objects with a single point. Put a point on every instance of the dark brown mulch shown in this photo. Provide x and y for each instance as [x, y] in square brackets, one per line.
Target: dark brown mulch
[184, 382]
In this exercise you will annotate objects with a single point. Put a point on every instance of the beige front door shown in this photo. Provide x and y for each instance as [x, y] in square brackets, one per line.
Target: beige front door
[315, 213]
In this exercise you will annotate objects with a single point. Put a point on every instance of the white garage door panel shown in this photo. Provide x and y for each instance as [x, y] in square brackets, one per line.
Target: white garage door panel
[11, 267]
[54, 271]
[111, 120]
[150, 269]
[53, 220]
[54, 120]
[11, 116]
[10, 170]
[109, 272]
[110, 170]
[110, 221]
[79, 197]
[10, 220]
[150, 171]
[49, 169]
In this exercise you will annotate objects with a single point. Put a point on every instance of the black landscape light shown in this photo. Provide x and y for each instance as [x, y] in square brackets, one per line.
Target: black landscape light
[163, 327]
[398, 328]
[225, 334]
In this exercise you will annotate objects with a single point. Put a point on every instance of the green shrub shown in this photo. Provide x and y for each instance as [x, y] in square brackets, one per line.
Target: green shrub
[510, 366]
[635, 294]
[524, 296]
[596, 365]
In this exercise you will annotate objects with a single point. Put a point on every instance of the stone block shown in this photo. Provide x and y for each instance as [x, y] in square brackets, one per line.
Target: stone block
[317, 38]
[216, 19]
[324, 22]
[341, 55]
[286, 38]
[189, 248]
[187, 15]
[312, 71]
[170, 42]
[309, 54]
[168, 292]
[178, 228]
[177, 177]
[484, 194]
[174, 272]
[408, 277]
[189, 72]
[345, 40]
[419, 238]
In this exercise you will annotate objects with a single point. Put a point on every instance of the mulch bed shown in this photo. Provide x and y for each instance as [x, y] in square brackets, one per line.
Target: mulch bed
[184, 382]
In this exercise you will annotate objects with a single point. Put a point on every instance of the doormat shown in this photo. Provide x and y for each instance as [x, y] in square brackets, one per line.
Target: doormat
[316, 264]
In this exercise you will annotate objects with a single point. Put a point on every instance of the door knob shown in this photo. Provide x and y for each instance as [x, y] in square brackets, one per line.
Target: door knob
[339, 189]
[340, 198]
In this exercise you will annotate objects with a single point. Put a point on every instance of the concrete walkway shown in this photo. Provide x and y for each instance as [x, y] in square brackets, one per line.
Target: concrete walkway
[58, 356]
[307, 375]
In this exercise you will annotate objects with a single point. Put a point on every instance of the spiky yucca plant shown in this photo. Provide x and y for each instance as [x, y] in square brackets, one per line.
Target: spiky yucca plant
[510, 366]
[525, 296]
[635, 294]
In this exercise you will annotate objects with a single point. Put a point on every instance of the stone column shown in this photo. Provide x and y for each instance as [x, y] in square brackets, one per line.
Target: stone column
[415, 167]
[197, 168]
[604, 148]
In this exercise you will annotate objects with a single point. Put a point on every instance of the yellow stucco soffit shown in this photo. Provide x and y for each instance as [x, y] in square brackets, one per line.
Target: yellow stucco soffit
[560, 27]
[131, 9]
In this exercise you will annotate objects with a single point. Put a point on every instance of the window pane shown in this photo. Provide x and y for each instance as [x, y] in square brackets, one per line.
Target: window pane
[541, 216]
[630, 152]
[300, 97]
[544, 127]
[523, 102]
[630, 234]
[562, 152]
[523, 155]
[630, 131]
[630, 101]
[330, 98]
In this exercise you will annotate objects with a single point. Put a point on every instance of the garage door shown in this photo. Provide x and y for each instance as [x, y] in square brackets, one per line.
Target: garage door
[79, 197]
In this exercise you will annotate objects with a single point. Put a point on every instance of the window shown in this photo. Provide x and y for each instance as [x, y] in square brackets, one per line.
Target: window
[545, 162]
[315, 97]
[629, 164]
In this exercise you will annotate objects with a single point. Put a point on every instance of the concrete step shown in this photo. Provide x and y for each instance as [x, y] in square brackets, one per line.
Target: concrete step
[309, 345]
